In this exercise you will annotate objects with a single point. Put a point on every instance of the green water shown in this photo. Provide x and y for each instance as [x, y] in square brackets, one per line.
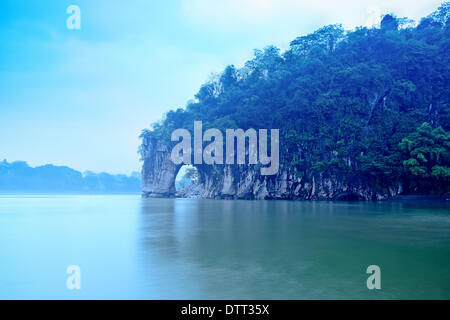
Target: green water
[133, 248]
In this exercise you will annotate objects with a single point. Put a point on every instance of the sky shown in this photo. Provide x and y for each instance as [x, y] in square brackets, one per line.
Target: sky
[80, 98]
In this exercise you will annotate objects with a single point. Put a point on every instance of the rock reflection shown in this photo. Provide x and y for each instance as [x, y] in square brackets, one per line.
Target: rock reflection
[207, 249]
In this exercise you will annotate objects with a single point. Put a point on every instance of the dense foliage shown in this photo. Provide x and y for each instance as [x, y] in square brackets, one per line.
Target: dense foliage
[347, 104]
[428, 154]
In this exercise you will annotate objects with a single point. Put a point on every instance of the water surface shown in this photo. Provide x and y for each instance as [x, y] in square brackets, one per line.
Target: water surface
[133, 248]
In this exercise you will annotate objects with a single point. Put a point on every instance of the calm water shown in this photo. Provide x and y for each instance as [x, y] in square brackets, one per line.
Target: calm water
[133, 248]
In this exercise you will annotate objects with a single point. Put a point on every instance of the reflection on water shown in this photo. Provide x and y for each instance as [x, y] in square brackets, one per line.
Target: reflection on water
[281, 249]
[129, 247]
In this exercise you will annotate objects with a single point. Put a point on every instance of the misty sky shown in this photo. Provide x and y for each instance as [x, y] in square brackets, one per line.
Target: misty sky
[81, 97]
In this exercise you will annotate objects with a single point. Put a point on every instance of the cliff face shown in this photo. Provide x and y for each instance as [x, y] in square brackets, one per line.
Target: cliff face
[246, 182]
[158, 171]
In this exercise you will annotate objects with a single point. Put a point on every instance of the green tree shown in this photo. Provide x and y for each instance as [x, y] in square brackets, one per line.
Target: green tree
[389, 22]
[191, 174]
[427, 154]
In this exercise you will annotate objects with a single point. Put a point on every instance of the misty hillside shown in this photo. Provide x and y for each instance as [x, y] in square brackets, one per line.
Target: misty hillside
[366, 109]
[21, 178]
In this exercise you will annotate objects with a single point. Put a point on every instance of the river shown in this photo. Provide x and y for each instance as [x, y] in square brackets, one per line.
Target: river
[133, 248]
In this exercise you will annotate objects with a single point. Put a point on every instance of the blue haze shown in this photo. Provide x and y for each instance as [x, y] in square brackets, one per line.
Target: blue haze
[81, 98]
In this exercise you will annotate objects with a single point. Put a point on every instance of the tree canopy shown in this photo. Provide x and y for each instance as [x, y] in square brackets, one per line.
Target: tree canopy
[344, 101]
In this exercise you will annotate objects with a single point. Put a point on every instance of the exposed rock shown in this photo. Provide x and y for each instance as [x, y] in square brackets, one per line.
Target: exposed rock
[158, 171]
[246, 182]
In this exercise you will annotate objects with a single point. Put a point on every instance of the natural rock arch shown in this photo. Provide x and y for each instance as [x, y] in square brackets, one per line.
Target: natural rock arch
[244, 181]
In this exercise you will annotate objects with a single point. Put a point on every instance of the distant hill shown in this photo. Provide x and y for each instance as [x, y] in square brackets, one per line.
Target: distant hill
[19, 177]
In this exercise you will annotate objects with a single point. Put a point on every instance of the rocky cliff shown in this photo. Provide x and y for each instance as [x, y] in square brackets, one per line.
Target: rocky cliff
[158, 171]
[246, 182]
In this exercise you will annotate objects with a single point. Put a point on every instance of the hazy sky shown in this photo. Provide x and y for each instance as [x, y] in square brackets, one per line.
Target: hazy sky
[81, 97]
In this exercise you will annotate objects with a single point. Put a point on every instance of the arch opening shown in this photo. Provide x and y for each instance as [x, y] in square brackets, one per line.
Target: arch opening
[187, 176]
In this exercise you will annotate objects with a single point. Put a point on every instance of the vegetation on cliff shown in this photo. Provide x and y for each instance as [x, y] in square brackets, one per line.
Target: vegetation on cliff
[369, 104]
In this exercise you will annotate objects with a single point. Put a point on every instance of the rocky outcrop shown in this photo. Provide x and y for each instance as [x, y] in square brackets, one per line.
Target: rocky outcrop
[246, 182]
[158, 171]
